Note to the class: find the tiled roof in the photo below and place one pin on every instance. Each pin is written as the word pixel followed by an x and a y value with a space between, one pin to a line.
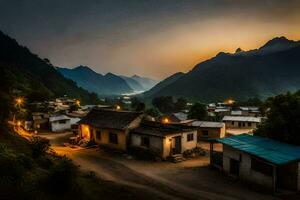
pixel 103 118
pixel 208 124
pixel 161 129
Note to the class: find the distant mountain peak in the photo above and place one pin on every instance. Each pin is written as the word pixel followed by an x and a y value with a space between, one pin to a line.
pixel 278 41
pixel 135 76
pixel 238 50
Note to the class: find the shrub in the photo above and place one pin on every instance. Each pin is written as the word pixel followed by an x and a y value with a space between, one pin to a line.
pixel 39 146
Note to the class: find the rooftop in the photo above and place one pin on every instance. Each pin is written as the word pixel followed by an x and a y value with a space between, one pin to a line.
pixel 208 124
pixel 161 129
pixel 272 151
pixel 242 119
pixel 104 118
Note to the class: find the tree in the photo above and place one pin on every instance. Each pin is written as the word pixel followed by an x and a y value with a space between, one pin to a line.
pixel 164 104
pixel 153 112
pixel 198 111
pixel 180 104
pixel 283 119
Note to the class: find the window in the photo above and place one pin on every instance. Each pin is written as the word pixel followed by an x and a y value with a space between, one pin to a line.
pixel 62 121
pixel 232 123
pixel 98 135
pixel 113 138
pixel 240 124
pixel 249 124
pixel 244 124
pixel 204 132
pixel 260 166
pixel 190 137
pixel 145 141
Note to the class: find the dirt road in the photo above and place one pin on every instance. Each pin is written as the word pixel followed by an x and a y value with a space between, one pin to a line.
pixel 187 180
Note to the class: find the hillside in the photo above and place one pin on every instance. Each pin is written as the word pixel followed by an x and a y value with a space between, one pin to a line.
pixel 272 69
pixel 163 84
pixel 135 85
pixel 29 73
pixel 95 82
pixel 147 83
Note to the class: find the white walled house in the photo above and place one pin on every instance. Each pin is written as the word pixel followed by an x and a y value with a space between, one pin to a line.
pixel 164 139
pixel 261 161
pixel 60 123
pixel 236 125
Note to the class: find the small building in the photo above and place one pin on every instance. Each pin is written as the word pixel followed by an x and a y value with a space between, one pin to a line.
pixel 109 127
pixel 259 160
pixel 40 121
pixel 250 111
pixel 208 129
pixel 176 118
pixel 246 122
pixel 60 123
pixel 164 138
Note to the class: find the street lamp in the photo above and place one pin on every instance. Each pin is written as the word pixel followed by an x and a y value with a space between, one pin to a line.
pixel 118 107
pixel 19 101
pixel 77 102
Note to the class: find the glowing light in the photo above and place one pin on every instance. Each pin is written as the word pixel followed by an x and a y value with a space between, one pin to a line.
pixel 77 102
pixel 118 107
pixel 229 101
pixel 19 101
pixel 165 120
pixel 18 123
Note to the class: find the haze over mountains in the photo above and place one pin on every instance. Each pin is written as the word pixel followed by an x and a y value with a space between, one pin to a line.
pixel 269 70
pixel 108 84
pixel 272 69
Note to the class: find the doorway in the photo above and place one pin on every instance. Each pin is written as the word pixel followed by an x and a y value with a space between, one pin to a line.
pixel 177 145
pixel 234 167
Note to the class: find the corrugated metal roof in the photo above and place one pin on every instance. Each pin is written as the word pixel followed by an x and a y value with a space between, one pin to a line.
pixel 242 119
pixel 270 150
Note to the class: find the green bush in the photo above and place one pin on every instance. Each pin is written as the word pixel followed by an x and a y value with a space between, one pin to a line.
pixel 39 146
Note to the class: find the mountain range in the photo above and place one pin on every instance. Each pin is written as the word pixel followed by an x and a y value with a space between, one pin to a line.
pixel 29 75
pixel 269 70
pixel 108 84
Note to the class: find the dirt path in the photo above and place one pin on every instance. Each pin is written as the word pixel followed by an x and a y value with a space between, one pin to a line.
pixel 167 180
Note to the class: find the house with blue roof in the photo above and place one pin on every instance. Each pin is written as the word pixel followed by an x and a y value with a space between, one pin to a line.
pixel 258 160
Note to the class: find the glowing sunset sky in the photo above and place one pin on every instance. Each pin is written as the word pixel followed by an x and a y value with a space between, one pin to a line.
pixel 151 37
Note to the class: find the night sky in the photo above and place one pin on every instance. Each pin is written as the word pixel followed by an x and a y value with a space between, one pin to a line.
pixel 146 37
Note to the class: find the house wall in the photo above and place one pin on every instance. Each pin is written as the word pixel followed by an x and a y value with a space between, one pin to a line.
pixel 57 127
pixel 212 133
pixel 105 138
pixel 236 124
pixel 156 143
pixel 185 145
pixel 245 171
pixel 298 180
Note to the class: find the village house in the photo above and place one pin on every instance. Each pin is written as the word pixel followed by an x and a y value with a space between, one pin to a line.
pixel 240 124
pixel 179 117
pixel 40 121
pixel 59 123
pixel 250 111
pixel 109 127
pixel 208 129
pixel 163 138
pixel 258 160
